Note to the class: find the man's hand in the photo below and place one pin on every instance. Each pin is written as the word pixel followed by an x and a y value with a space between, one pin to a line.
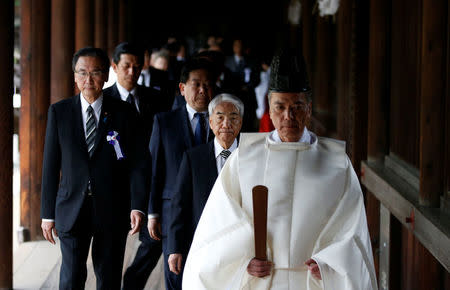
pixel 47 229
pixel 154 228
pixel 136 221
pixel 314 268
pixel 259 268
pixel 175 261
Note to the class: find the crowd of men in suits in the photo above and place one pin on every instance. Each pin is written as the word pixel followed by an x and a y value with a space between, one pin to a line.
pixel 120 157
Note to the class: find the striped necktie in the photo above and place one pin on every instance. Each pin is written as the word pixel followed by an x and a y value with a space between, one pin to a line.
pixel 225 153
pixel 90 130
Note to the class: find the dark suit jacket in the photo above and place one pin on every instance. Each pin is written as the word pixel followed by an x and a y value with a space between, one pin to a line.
pixel 171 136
pixel 117 185
pixel 151 101
pixel 196 177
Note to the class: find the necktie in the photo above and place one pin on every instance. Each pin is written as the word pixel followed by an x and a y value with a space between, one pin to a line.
pixel 225 153
pixel 200 132
pixel 90 130
pixel 130 99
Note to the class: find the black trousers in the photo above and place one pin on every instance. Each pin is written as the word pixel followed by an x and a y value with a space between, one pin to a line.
pixel 108 249
pixel 144 262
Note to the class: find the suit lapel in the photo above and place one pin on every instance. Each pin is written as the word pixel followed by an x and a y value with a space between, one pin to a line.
pixel 186 128
pixel 115 92
pixel 211 167
pixel 78 127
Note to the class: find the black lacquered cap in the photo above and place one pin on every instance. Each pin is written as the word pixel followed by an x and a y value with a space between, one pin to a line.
pixel 288 72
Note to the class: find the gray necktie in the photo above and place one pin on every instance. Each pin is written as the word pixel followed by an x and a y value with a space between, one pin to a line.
pixel 130 99
pixel 225 153
pixel 90 130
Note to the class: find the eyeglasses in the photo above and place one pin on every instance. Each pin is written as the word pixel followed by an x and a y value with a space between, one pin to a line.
pixel 94 74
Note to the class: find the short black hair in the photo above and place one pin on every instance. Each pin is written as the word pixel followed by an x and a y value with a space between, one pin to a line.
pixel 128 48
pixel 196 64
pixel 93 52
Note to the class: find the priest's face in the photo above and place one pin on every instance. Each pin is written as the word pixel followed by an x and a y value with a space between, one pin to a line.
pixel 225 122
pixel 197 90
pixel 290 113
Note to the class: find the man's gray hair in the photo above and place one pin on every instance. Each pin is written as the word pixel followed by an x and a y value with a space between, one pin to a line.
pixel 226 98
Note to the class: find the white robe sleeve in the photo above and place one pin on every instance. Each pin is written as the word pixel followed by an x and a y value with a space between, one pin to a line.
pixel 223 242
pixel 343 251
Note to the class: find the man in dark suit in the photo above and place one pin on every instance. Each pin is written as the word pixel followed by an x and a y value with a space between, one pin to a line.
pixel 92 177
pixel 197 175
pixel 244 78
pixel 156 78
pixel 127 64
pixel 173 133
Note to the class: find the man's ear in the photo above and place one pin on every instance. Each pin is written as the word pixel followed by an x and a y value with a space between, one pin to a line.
pixel 181 87
pixel 114 66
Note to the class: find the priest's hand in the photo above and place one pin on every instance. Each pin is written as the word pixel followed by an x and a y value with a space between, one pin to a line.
pixel 136 221
pixel 175 261
pixel 314 268
pixel 48 229
pixel 259 268
pixel 154 228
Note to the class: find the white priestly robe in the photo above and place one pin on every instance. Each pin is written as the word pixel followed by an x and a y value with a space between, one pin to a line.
pixel 315 210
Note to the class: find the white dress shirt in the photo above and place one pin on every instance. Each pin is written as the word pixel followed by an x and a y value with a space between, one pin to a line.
pixel 144 78
pixel 220 161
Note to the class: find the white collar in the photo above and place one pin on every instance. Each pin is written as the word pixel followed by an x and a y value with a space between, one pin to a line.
pixel 96 105
pixel 124 93
pixel 191 112
pixel 218 148
pixel 306 137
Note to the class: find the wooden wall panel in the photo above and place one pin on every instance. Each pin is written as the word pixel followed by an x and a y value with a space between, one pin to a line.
pixel 405 80
pixel 378 80
pixel 432 101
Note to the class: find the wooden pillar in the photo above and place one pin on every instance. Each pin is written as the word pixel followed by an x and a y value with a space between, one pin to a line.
pixel 112 27
pixel 62 49
pixel 432 101
pixel 6 131
pixel 100 23
pixel 35 91
pixel 84 23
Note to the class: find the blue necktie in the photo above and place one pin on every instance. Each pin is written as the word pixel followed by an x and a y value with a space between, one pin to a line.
pixel 199 133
